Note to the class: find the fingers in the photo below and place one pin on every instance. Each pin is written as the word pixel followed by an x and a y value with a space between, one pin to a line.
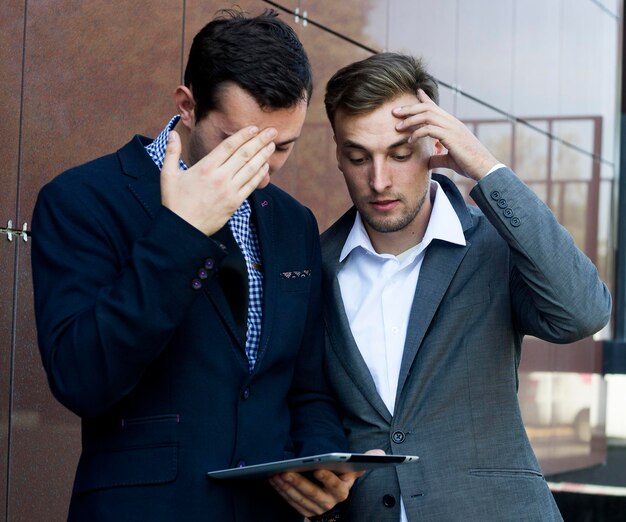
pixel 309 498
pixel 239 149
pixel 250 173
pixel 423 119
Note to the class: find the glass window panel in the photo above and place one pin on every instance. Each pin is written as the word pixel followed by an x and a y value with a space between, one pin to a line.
pixel 575 207
pixel 606 246
pixel 536 71
pixel 531 149
pixel 485 48
pixel 416 28
pixel 567 162
pixel 580 58
pixel 497 137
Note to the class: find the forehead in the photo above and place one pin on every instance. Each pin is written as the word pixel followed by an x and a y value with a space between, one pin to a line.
pixel 238 109
pixel 376 127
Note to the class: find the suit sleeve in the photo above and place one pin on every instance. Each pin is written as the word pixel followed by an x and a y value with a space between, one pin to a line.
pixel 556 292
pixel 104 315
pixel 315 424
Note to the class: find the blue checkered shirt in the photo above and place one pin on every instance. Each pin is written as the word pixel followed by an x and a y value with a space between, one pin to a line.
pixel 246 236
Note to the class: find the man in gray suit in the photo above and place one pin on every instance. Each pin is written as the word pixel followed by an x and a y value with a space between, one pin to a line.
pixel 428 300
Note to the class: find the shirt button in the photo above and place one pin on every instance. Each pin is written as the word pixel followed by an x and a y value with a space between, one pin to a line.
pixel 502 203
pixel 245 394
pixel 495 195
pixel 398 437
pixel 395 330
pixel 389 501
pixel 196 284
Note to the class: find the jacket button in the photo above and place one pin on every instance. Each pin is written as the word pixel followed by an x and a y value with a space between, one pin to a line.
pixel 508 212
pixel 389 501
pixel 515 221
pixel 495 195
pixel 245 394
pixel 398 437
pixel 203 273
pixel 241 464
pixel 209 263
pixel 502 203
pixel 196 284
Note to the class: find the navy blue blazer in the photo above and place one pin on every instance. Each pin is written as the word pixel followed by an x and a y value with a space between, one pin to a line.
pixel 156 368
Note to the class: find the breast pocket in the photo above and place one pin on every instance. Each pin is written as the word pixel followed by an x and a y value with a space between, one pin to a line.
pixel 296 281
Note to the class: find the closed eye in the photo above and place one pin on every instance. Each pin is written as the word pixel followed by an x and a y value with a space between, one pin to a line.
pixel 357 161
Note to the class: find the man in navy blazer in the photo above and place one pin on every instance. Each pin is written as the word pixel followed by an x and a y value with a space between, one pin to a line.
pixel 177 297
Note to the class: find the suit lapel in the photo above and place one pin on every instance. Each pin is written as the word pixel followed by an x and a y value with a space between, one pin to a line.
pixel 263 215
pixel 438 268
pixel 337 325
pixel 440 263
pixel 145 185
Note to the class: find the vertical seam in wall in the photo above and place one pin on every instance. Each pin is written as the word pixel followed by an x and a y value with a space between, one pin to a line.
pixel 182 43
pixel 455 98
pixel 15 270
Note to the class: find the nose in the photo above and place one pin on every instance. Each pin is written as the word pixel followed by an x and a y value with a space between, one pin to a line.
pixel 380 176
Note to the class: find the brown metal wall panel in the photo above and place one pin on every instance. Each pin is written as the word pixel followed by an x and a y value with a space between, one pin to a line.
pixel 92 80
pixel 11 44
pixel 311 174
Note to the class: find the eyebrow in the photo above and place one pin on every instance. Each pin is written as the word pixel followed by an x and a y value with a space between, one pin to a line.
pixel 353 145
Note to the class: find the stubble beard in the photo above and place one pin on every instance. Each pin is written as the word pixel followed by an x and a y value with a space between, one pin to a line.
pixel 385 225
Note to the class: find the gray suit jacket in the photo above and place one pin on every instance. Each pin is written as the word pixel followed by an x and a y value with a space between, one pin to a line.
pixel 520 273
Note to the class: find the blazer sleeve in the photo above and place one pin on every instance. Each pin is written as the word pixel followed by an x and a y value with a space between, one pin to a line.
pixel 555 289
pixel 104 314
pixel 315 424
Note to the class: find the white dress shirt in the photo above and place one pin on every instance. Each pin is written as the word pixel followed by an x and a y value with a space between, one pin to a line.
pixel 378 291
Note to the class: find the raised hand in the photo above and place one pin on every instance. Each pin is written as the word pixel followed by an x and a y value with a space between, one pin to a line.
pixel 208 193
pixel 466 154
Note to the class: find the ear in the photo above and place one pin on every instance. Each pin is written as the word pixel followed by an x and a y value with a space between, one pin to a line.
pixel 185 105
pixel 438 148
pixel 337 153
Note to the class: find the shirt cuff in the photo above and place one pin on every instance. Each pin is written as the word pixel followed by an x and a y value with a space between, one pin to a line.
pixel 494 168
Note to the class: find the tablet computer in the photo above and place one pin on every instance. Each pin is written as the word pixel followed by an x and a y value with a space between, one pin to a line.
pixel 339 462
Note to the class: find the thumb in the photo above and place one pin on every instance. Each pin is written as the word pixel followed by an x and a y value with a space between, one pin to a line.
pixel 172 153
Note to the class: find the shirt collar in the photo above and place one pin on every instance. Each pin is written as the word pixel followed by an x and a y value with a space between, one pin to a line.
pixel 156 149
pixel 444 224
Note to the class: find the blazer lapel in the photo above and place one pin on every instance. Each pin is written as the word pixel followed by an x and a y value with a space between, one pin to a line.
pixel 337 325
pixel 145 185
pixel 439 266
pixel 440 263
pixel 263 215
